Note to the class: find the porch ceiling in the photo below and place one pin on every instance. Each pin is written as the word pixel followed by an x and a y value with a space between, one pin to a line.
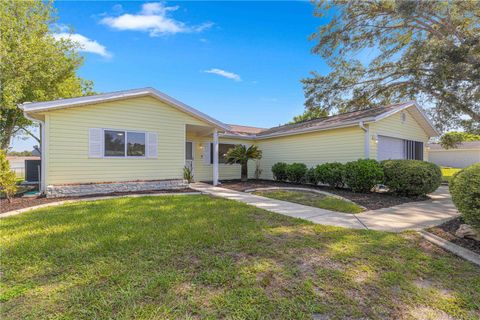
pixel 199 131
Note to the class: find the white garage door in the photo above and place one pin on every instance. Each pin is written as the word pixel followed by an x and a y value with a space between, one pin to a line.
pixel 390 148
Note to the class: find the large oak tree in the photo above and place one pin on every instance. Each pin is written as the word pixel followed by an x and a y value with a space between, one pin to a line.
pixel 33 65
pixel 424 50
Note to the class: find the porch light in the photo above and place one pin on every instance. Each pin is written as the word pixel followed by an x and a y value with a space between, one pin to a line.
pixel 375 138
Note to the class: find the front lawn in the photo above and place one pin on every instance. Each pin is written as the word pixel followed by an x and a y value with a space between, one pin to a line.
pixel 447 173
pixel 312 199
pixel 203 257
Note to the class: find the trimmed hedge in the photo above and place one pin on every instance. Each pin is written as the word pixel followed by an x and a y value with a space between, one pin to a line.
pixel 311 177
pixel 411 178
pixel 296 172
pixel 279 171
pixel 465 190
pixel 362 175
pixel 331 173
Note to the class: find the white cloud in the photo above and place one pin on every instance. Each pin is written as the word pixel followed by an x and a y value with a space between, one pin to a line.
pixel 85 44
pixel 153 18
pixel 225 74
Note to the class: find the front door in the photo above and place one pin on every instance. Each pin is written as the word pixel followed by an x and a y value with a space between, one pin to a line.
pixel 189 153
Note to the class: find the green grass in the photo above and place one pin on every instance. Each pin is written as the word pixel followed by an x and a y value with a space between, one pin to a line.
pixel 447 173
pixel 312 199
pixel 202 257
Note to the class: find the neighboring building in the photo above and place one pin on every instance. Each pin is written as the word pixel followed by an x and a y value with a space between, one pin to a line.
pixel 17 164
pixel 467 153
pixel 140 139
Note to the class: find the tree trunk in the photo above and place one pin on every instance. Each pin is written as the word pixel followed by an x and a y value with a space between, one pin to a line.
pixel 5 140
pixel 244 172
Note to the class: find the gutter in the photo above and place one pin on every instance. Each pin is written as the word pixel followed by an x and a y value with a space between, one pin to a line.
pixel 42 149
pixel 362 126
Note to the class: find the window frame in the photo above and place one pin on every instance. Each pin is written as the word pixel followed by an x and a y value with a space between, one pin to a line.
pixel 211 153
pixel 125 155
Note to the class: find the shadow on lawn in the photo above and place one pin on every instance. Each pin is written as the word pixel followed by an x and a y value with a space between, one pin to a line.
pixel 199 256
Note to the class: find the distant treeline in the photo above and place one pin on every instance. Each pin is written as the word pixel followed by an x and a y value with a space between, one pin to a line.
pixel 20 154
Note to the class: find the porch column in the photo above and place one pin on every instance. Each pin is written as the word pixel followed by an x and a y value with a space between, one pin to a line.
pixel 215 157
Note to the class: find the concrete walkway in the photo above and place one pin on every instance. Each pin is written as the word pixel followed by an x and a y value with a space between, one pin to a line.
pixel 412 215
pixel 409 216
pixel 290 209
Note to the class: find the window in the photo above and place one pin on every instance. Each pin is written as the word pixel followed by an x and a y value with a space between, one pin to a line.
pixel 135 144
pixel 115 146
pixel 188 150
pixel 114 143
pixel 222 152
pixel 413 149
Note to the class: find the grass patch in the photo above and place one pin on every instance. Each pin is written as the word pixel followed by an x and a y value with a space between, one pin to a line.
pixel 202 257
pixel 447 173
pixel 312 199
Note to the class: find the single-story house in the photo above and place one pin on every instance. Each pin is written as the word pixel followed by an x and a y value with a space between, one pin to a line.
pixel 464 155
pixel 142 139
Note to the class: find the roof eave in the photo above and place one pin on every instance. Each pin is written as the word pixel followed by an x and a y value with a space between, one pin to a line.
pixel 432 132
pixel 125 95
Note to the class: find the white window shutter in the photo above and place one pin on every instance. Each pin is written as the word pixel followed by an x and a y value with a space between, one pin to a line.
pixel 152 145
pixel 206 153
pixel 95 143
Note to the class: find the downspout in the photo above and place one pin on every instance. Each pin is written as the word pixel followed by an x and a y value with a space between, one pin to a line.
pixel 366 129
pixel 42 150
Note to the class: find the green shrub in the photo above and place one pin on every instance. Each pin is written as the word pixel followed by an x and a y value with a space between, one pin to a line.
pixel 465 190
pixel 411 178
pixel 8 179
pixel 296 172
pixel 311 176
pixel 187 174
pixel 362 175
pixel 331 173
pixel 279 171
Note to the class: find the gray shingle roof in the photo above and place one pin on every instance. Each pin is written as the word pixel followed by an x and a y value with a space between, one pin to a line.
pixel 333 121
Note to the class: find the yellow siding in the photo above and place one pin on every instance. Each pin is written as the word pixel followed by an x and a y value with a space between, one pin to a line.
pixel 393 126
pixel 67 141
pixel 204 172
pixel 342 145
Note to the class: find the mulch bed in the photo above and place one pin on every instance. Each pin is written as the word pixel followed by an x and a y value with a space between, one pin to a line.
pixel 371 201
pixel 23 202
pixel 447 232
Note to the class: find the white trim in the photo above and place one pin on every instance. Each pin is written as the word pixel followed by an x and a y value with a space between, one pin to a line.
pixel 215 157
pixel 43 154
pixel 125 156
pixel 433 132
pixel 307 130
pixel 366 129
pixel 120 95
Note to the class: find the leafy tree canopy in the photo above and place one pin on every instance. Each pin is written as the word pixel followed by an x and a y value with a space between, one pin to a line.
pixel 33 66
pixel 452 139
pixel 416 49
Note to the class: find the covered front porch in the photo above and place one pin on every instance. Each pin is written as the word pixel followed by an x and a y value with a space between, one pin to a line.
pixel 201 152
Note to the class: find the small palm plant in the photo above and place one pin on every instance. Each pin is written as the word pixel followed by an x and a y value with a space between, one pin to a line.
pixel 241 154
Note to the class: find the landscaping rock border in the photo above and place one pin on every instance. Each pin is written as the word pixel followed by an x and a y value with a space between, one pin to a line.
pixel 453 248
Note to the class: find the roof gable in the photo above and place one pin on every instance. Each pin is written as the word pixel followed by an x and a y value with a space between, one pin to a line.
pixel 120 95
pixel 352 119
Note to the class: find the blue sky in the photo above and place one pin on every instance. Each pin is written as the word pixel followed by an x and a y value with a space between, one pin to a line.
pixel 240 62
